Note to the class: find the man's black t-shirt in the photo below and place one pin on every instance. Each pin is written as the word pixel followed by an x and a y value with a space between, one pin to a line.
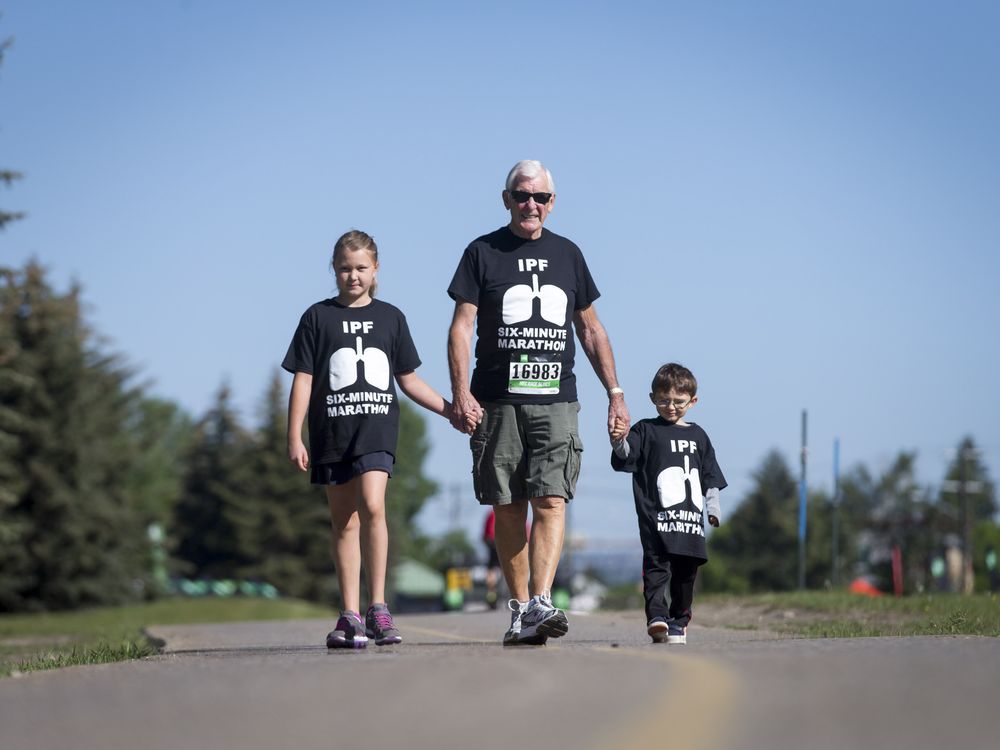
pixel 352 354
pixel 526 292
pixel 672 466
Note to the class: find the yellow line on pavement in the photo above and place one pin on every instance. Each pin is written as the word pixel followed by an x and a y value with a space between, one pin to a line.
pixel 438 634
pixel 693 709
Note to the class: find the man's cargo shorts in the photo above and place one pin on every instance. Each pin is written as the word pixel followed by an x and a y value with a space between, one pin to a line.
pixel 521 451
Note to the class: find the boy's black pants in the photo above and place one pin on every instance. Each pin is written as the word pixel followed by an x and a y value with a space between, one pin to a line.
pixel 674 574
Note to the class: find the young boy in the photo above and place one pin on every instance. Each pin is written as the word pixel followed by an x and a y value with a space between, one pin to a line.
pixel 673 468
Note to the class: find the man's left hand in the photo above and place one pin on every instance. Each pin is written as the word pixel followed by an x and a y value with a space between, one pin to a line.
pixel 617 410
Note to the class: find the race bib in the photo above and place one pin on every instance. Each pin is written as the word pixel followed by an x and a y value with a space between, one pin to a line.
pixel 534 374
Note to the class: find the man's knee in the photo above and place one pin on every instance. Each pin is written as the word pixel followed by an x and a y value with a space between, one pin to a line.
pixel 551 506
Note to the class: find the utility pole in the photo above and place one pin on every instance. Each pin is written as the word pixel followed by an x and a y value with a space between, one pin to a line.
pixel 964 502
pixel 455 512
pixel 966 489
pixel 835 515
pixel 802 509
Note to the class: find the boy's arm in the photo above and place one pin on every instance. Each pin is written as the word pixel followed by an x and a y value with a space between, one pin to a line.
pixel 620 447
pixel 712 505
pixel 298 405
pixel 625 451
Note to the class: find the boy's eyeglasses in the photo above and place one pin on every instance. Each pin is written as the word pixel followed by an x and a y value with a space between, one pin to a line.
pixel 675 404
pixel 522 196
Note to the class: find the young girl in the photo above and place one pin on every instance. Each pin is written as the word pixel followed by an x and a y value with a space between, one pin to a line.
pixel 345 355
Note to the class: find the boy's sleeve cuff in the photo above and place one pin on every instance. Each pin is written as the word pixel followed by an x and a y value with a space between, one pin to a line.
pixel 712 506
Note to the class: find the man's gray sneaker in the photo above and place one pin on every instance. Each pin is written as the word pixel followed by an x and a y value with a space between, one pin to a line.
pixel 516 608
pixel 541 621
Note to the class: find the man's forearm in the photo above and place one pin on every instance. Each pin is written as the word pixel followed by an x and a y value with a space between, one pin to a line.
pixel 459 349
pixel 596 345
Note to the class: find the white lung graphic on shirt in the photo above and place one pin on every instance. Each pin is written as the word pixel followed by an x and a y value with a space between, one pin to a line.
pixel 518 300
pixel 344 367
pixel 670 485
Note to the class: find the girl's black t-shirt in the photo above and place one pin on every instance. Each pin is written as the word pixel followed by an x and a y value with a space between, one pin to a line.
pixel 353 354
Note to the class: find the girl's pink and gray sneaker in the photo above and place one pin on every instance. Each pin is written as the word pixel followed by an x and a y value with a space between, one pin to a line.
pixel 380 627
pixel 349 632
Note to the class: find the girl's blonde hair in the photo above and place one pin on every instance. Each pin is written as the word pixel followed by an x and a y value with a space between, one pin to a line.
pixel 351 241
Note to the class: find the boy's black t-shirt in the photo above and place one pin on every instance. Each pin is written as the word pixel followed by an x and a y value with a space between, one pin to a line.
pixel 352 354
pixel 526 292
pixel 672 466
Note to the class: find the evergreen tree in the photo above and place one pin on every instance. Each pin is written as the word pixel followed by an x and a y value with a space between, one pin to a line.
pixel 69 532
pixel 451 549
pixel 758 544
pixel 160 432
pixel 819 540
pixel 979 491
pixel 887 511
pixel 8 176
pixel 213 529
pixel 409 488
pixel 855 514
pixel 967 504
pixel 292 524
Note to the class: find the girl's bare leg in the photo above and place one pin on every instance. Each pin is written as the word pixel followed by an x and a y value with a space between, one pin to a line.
pixel 374 532
pixel 343 501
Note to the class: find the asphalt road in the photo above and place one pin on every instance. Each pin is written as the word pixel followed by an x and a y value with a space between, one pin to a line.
pixel 452 685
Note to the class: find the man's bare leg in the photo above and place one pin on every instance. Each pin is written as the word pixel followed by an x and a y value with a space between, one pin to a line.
pixel 548 529
pixel 512 547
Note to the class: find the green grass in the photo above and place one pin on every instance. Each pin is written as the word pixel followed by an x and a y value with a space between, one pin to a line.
pixel 843 615
pixel 109 634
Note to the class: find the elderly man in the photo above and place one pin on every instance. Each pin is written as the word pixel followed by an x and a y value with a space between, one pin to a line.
pixel 520 287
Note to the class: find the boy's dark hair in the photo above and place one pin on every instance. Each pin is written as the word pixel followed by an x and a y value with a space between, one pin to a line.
pixel 676 377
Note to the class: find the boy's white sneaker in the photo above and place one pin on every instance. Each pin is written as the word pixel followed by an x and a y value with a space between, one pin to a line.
pixel 676 634
pixel 657 629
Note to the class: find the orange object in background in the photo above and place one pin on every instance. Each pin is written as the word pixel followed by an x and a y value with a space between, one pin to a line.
pixel 863 587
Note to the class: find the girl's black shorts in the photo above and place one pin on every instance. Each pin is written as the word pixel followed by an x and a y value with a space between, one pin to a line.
pixel 342 472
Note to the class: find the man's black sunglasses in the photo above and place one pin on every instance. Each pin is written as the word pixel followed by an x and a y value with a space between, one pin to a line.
pixel 521 196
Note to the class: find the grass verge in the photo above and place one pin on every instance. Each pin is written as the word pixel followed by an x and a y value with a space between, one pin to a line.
pixel 832 614
pixel 109 634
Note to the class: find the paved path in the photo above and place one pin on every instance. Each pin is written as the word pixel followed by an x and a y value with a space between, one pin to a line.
pixel 451 685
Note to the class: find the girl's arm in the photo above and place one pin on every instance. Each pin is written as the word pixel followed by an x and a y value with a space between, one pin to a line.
pixel 415 387
pixel 298 405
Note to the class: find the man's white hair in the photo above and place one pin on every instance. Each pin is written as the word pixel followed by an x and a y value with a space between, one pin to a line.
pixel 529 168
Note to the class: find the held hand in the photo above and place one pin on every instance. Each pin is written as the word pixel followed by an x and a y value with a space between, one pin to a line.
pixel 713 521
pixel 298 455
pixel 466 413
pixel 619 431
pixel 617 410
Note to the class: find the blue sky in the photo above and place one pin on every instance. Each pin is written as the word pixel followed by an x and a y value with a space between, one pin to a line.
pixel 797 200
